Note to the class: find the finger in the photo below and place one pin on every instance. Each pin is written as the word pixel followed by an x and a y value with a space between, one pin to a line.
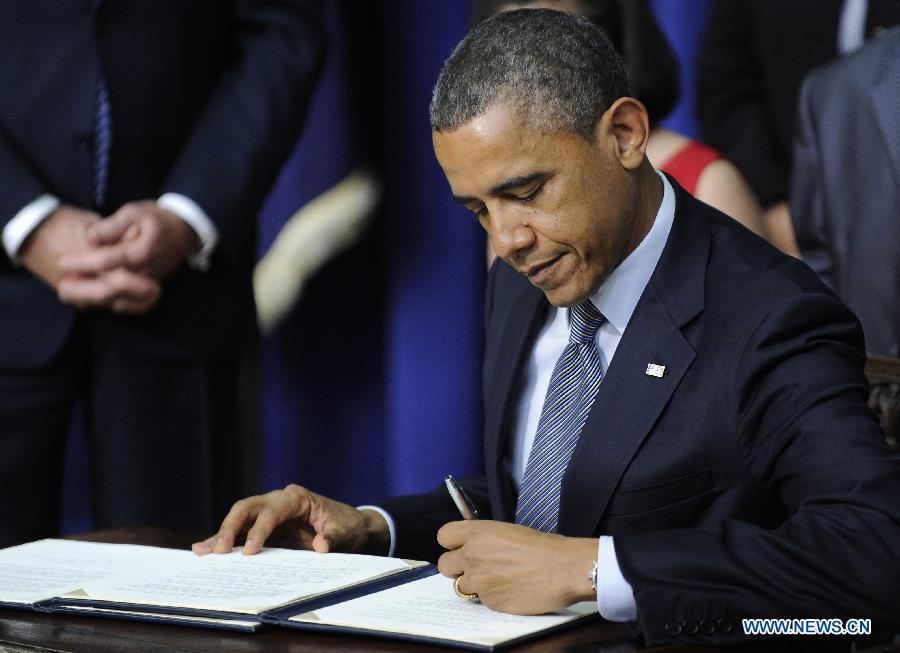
pixel 134 253
pixel 322 542
pixel 132 232
pixel 462 585
pixel 139 250
pixel 241 514
pixel 114 228
pixel 83 292
pixel 130 287
pixel 281 506
pixel 93 262
pixel 455 534
pixel 451 564
pixel 267 520
pixel 107 287
pixel 203 547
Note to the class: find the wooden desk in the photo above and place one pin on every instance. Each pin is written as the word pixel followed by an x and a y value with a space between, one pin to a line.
pixel 22 631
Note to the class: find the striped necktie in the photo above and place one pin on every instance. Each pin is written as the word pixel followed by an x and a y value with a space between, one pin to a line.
pixel 102 141
pixel 573 386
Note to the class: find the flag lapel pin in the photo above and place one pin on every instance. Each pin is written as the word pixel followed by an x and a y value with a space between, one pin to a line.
pixel 655 370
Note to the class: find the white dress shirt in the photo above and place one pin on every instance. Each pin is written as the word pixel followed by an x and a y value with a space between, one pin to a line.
pixel 852 26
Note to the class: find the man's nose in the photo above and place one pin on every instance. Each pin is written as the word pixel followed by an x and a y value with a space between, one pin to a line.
pixel 510 231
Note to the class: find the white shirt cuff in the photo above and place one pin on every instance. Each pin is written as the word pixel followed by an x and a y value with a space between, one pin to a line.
pixel 189 211
pixel 615 598
pixel 390 523
pixel 25 221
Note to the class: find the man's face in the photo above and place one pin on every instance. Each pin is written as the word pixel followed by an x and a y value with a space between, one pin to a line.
pixel 558 208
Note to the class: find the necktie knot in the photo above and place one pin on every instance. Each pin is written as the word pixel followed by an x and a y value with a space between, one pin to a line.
pixel 586 319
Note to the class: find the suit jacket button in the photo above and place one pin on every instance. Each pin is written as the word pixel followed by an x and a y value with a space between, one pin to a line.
pixel 690 626
pixel 707 626
pixel 724 626
pixel 673 628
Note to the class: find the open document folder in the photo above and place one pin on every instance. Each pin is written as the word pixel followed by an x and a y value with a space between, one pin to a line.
pixel 277 587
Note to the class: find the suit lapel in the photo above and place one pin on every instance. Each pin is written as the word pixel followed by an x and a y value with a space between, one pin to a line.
pixel 521 323
pixel 627 406
pixel 630 401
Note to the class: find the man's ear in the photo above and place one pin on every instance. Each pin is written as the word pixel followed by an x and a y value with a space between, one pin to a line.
pixel 627 122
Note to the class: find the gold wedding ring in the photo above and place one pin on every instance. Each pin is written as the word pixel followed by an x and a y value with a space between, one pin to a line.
pixel 463 595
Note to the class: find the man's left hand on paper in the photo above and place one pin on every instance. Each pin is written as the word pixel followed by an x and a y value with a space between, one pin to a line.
pixel 517 569
pixel 299 518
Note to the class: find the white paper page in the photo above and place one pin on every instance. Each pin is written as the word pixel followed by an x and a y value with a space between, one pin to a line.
pixel 429 607
pixel 247 584
pixel 46 568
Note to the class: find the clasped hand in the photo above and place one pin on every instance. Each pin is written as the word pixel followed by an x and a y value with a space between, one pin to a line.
pixel 115 264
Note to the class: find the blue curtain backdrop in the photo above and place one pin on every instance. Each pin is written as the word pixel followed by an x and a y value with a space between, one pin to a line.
pixel 372 385
pixel 320 400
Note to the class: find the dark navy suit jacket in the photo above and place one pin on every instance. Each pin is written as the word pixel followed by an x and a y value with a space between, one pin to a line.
pixel 207 99
pixel 750 480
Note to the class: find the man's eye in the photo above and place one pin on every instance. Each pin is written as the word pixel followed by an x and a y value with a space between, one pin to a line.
pixel 530 196
pixel 480 212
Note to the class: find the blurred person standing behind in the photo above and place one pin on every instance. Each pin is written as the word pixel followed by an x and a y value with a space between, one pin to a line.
pixel 654 80
pixel 845 191
pixel 752 59
pixel 137 143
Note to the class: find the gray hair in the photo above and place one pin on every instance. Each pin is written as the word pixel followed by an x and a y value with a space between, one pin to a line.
pixel 559 71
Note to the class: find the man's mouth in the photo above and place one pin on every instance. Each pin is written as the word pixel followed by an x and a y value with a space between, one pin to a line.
pixel 540 272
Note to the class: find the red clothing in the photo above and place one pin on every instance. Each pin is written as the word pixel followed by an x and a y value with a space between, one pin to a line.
pixel 689 162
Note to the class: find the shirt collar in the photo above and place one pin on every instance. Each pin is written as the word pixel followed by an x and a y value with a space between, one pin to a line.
pixel 620 293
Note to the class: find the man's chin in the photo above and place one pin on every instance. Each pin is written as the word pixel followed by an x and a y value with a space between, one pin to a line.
pixel 564 296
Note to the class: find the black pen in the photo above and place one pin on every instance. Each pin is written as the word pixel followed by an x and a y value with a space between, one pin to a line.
pixel 461 499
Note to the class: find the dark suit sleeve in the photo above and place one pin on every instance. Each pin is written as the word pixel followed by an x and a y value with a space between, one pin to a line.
pixel 730 103
pixel 418 517
pixel 807 192
pixel 19 185
pixel 807 436
pixel 254 115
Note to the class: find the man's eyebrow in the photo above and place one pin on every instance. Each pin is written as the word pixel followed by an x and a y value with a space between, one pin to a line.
pixel 509 184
